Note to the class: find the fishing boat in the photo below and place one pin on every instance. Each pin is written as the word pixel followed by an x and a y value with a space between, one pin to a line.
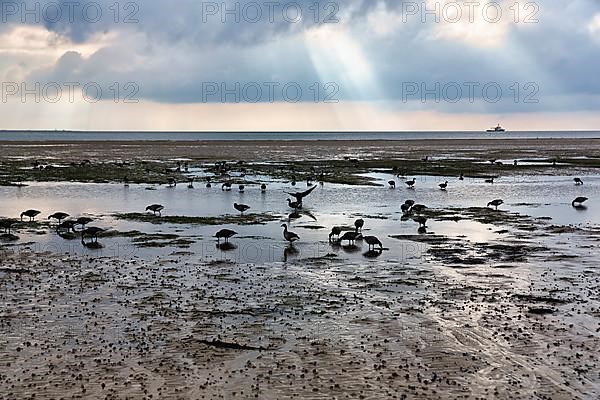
pixel 496 129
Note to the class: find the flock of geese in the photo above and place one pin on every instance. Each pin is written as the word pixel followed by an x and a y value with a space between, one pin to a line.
pixel 410 210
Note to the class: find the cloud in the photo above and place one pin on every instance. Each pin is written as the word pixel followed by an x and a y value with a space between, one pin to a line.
pixel 375 49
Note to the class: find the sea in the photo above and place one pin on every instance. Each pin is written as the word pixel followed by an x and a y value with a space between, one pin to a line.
pixel 69 136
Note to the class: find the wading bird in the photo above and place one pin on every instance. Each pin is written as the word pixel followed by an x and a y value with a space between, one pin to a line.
pixel 155 208
pixel 226 186
pixel 461 177
pixel 418 208
pixel 31 214
pixel 421 220
pixel 296 205
pixel 392 184
pixel 7 224
pixel 335 231
pixel 242 188
pixel 411 184
pixel 83 221
pixel 372 241
pixel 171 182
pixel 496 203
pixel 350 237
pixel 405 208
pixel 263 188
pixel 288 235
pixel 578 181
pixel 66 225
pixel 59 216
pixel 241 207
pixel 358 224
pixel 301 195
pixel 191 183
pixel 225 234
pixel 578 202
pixel 92 232
pixel 443 186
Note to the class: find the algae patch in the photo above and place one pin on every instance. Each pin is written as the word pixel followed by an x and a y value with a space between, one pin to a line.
pixel 246 219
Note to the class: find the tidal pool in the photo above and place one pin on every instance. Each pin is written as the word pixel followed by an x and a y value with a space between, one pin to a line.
pixel 546 197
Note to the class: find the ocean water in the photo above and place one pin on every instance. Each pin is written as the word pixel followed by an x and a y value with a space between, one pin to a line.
pixel 237 136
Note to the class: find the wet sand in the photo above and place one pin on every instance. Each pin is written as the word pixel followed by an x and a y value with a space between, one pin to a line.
pixel 517 317
pixel 293 150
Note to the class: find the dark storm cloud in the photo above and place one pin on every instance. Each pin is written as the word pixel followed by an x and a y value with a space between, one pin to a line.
pixel 173 49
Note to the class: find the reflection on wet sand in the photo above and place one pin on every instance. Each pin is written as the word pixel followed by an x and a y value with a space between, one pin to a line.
pixel 414 293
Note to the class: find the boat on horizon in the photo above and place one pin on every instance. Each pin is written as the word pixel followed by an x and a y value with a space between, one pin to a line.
pixel 496 129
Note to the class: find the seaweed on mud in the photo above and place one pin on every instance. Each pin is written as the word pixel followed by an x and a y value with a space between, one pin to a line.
pixel 9 270
pixel 322 260
pixel 157 240
pixel 541 310
pixel 8 237
pixel 228 345
pixel 181 243
pixel 429 239
pixel 311 227
pixel 456 255
pixel 91 172
pixel 246 219
pixel 510 253
pixel 540 299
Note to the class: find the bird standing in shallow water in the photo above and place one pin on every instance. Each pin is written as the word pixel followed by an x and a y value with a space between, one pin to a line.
pixel 67 225
pixel 241 207
pixel 350 237
pixel 59 216
pixel 411 184
pixel 392 184
pixel 372 241
pixel 225 234
pixel 444 185
pixel 83 221
pixel 421 220
pixel 418 208
pixel 578 181
pixel 496 203
pixel 578 202
pixel 7 224
pixel 288 235
pixel 294 204
pixel 263 188
pixel 92 232
pixel 335 231
pixel 31 214
pixel 155 208
pixel 358 224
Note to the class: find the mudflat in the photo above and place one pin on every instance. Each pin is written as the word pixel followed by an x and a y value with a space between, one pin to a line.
pixel 460 301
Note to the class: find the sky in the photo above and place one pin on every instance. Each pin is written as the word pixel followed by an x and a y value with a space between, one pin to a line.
pixel 299 65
